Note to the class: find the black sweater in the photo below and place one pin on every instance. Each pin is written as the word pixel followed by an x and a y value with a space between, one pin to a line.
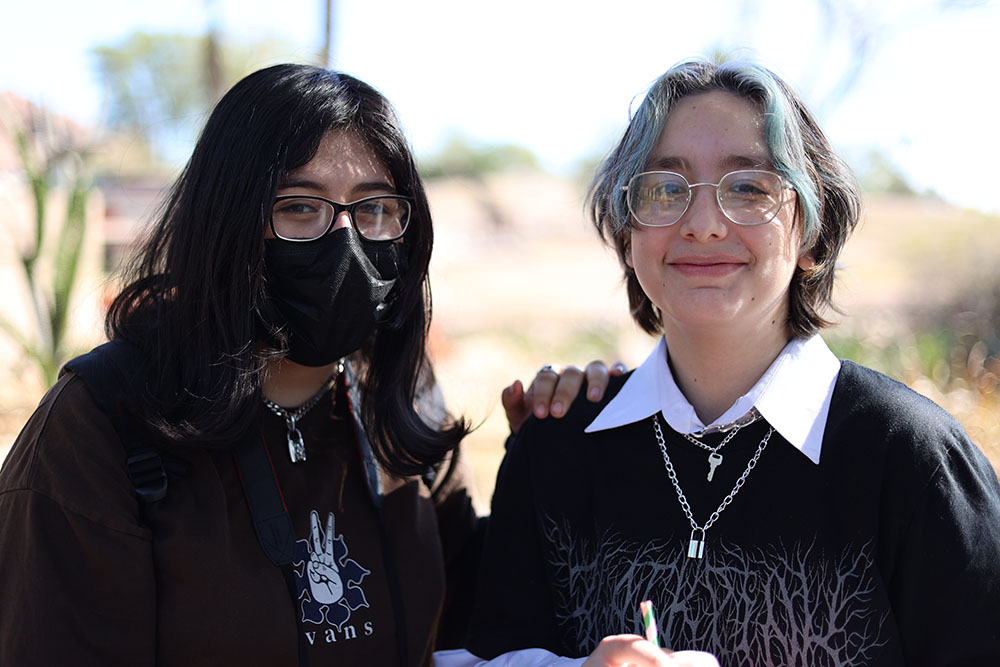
pixel 885 553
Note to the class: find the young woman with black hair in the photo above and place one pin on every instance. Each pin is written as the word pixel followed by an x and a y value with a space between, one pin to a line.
pixel 302 500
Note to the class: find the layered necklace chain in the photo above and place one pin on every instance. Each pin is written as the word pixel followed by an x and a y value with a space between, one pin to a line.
pixel 296 445
pixel 714 457
pixel 696 543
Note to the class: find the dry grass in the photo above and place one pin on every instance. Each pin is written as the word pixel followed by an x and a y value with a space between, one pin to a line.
pixel 921 292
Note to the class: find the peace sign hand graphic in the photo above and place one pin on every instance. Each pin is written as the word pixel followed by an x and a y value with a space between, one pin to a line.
pixel 324 573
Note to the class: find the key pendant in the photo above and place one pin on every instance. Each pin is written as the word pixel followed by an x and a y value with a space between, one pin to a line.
pixel 714 461
pixel 696 545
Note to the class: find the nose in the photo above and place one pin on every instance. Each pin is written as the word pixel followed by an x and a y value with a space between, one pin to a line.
pixel 704 220
pixel 342 219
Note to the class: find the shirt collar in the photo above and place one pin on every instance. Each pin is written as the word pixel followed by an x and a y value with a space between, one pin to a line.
pixel 793 395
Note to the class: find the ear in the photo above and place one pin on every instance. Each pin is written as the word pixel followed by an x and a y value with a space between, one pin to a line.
pixel 627 242
pixel 807 260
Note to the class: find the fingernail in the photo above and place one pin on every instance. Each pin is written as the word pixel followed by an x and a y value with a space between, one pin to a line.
pixel 557 408
pixel 539 411
pixel 593 393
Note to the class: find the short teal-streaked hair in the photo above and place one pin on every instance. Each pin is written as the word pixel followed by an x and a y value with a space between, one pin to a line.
pixel 829 204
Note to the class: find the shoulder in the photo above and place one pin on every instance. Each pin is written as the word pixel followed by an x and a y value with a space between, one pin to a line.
pixel 876 411
pixel 861 393
pixel 69 452
pixel 581 411
pixel 559 437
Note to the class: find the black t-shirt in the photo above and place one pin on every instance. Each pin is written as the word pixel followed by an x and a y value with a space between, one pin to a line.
pixel 885 553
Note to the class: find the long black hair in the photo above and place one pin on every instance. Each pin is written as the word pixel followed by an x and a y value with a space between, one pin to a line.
pixel 190 303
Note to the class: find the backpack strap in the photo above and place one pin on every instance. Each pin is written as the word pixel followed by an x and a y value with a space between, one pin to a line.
pixel 373 473
pixel 112 374
pixel 373 480
pixel 369 464
pixel 271 522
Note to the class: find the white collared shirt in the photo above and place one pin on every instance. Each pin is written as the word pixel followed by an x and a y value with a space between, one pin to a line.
pixel 793 395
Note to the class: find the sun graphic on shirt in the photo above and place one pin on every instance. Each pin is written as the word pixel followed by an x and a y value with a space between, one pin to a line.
pixel 328 583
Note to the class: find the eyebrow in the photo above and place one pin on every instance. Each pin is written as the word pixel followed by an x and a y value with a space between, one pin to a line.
pixel 307 184
pixel 730 162
pixel 667 163
pixel 746 162
pixel 293 182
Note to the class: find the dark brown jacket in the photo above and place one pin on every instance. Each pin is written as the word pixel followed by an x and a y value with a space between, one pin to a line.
pixel 90 577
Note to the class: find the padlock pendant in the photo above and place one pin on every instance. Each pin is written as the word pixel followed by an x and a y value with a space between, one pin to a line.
pixel 696 545
pixel 296 446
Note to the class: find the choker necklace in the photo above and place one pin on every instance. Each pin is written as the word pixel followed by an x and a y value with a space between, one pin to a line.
pixel 696 543
pixel 714 457
pixel 296 445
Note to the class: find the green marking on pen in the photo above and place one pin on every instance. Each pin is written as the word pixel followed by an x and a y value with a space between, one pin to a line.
pixel 649 622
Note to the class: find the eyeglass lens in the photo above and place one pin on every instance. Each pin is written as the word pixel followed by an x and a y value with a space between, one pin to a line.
pixel 747 197
pixel 308 218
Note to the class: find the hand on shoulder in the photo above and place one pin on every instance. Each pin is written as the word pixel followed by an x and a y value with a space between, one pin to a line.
pixel 553 390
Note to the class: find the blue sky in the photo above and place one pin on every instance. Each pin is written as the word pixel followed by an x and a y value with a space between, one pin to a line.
pixel 558 77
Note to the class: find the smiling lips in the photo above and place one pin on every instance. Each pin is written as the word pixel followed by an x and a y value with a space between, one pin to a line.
pixel 706 266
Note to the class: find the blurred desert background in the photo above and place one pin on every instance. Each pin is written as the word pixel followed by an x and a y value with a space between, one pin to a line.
pixel 508 118
pixel 520 279
pixel 919 304
pixel 918 286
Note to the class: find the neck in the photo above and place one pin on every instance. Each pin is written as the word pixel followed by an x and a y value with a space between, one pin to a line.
pixel 289 384
pixel 714 368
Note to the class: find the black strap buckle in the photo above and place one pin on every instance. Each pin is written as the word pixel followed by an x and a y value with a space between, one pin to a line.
pixel 145 469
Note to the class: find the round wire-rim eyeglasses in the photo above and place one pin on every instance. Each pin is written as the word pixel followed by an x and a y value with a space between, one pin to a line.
pixel 754 200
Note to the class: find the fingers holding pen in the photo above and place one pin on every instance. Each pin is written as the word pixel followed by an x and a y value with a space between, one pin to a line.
pixel 621 650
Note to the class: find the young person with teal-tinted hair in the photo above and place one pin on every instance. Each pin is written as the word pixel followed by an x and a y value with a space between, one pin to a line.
pixel 779 506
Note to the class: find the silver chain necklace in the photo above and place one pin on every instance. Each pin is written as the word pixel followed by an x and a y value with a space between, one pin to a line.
pixel 714 457
pixel 296 445
pixel 696 543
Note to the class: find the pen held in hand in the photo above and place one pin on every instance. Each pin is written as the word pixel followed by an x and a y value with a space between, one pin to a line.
pixel 649 622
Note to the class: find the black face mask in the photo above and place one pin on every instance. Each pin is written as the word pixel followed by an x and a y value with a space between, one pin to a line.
pixel 327 295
